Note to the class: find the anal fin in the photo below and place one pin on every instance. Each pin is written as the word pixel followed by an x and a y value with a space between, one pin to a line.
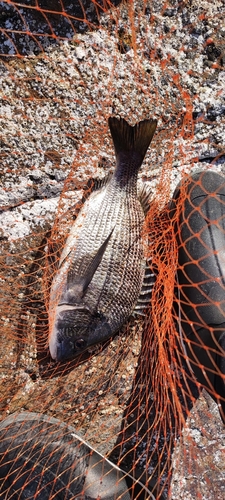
pixel 144 298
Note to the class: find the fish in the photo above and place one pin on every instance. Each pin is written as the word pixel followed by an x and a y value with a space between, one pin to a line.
pixel 42 458
pixel 102 268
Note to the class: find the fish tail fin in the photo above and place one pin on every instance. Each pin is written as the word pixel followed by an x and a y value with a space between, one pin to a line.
pixel 131 140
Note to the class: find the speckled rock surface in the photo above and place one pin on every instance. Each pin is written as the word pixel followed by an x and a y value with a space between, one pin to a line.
pixel 146 60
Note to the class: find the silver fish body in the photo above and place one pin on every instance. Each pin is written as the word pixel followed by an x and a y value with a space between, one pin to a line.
pixel 101 269
pixel 44 458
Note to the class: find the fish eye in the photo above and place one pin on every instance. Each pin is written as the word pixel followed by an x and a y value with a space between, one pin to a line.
pixel 80 344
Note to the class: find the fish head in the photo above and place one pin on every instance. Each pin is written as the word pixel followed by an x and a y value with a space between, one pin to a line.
pixel 75 329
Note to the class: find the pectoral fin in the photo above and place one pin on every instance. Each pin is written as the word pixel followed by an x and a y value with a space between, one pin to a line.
pixel 93 266
pixel 79 283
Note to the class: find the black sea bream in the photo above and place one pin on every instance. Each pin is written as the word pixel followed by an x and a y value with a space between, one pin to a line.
pixel 101 269
pixel 43 458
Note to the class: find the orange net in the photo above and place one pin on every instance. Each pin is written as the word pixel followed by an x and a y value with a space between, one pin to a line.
pixel 141 415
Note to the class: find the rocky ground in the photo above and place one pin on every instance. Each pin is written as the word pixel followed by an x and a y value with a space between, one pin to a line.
pixel 141 59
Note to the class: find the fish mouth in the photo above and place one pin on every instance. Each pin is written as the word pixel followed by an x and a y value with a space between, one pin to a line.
pixel 65 306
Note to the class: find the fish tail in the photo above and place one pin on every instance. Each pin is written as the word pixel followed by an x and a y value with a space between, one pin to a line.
pixel 130 140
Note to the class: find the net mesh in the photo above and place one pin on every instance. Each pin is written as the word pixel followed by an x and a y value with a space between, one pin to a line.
pixel 151 400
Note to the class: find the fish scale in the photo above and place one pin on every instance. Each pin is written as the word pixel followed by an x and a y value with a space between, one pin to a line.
pixel 101 269
pixel 108 269
pixel 114 250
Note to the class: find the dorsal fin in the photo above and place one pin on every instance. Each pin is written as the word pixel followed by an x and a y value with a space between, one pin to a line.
pixel 93 184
